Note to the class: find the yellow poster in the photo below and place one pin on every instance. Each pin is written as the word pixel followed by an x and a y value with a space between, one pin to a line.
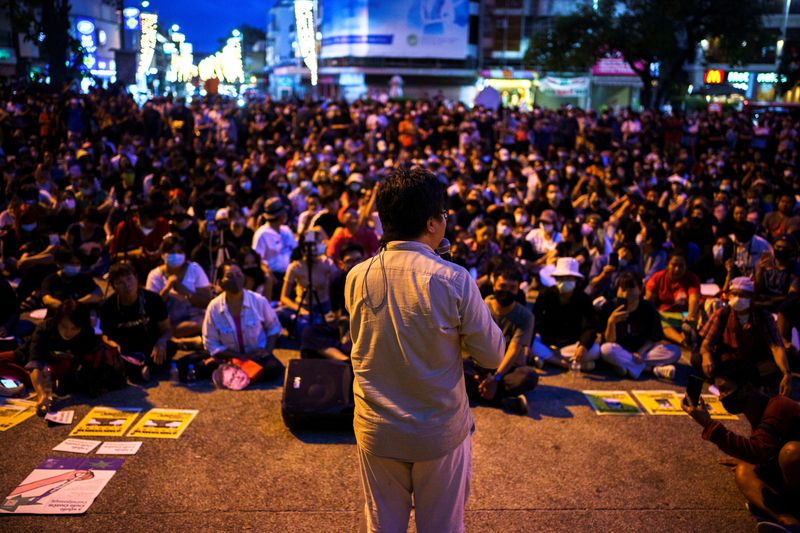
pixel 612 402
pixel 106 422
pixel 660 402
pixel 715 408
pixel 163 423
pixel 13 413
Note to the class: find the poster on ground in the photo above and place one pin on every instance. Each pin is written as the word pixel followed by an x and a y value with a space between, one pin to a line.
pixel 12 415
pixel 61 486
pixel 660 402
pixel 106 422
pixel 612 402
pixel 715 408
pixel 163 423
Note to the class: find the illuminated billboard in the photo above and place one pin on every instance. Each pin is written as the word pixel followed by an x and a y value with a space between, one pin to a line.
pixel 397 28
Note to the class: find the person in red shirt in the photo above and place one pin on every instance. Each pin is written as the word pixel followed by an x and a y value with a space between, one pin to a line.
pixel 676 290
pixel 352 232
pixel 138 240
pixel 768 467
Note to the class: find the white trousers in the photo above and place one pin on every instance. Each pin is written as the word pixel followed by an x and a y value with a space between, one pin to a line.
pixel 660 354
pixel 562 355
pixel 440 488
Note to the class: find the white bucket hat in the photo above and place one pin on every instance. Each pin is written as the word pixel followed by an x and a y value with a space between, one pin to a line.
pixel 567 266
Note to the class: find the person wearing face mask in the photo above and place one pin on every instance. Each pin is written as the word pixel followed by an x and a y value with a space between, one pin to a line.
pixel 507 385
pixel 768 461
pixel 545 238
pixel 554 200
pixel 740 334
pixel 69 283
pixel 183 285
pixel 138 239
pixel 607 269
pixel 748 248
pixel 783 220
pixel 87 241
pixel 241 324
pixel 565 324
pixel 777 280
pixel 634 340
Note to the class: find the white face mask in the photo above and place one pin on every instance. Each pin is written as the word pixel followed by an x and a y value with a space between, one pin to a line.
pixel 548 228
pixel 175 260
pixel 503 231
pixel 147 231
pixel 521 219
pixel 739 304
pixel 565 286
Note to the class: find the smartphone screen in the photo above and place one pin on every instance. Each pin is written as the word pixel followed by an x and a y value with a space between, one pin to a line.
pixel 9 383
pixel 694 388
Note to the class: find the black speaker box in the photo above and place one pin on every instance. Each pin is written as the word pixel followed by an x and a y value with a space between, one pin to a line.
pixel 317 394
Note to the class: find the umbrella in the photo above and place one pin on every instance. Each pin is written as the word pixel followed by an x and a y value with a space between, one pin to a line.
pixel 488 98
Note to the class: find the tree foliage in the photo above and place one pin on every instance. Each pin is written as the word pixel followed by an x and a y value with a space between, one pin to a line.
pixel 648 32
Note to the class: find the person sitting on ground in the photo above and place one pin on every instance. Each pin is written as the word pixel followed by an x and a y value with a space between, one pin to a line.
pixel 138 239
pixel 57 349
pixel 352 231
pixel 565 321
pixel 768 468
pixel 634 341
pixel 606 270
pixel 257 277
pixel 274 242
pixel 508 384
pixel 136 322
pixel 294 294
pixel 68 283
pixel 674 291
pixel 739 334
pixel 184 287
pixel 87 240
pixel 241 324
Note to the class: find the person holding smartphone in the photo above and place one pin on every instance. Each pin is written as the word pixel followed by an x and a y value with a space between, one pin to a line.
pixel 768 461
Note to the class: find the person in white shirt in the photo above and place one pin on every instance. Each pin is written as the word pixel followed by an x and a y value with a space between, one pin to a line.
pixel 183 285
pixel 545 238
pixel 274 242
pixel 242 324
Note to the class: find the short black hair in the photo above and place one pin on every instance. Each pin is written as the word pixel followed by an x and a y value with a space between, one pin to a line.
pixel 406 200
pixel 119 270
pixel 628 280
pixel 508 271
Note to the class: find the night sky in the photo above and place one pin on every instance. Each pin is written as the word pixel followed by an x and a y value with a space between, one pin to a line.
pixel 205 21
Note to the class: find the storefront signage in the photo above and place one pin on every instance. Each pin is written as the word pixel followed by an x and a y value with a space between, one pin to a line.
pixel 508 74
pixel 565 87
pixel 612 66
pixel 740 80
pixel 714 76
pixel 769 77
pixel 86 35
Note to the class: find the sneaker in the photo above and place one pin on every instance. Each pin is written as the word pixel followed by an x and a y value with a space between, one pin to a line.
pixel 665 372
pixel 516 404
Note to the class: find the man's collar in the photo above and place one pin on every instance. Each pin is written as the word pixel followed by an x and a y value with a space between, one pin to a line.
pixel 417 246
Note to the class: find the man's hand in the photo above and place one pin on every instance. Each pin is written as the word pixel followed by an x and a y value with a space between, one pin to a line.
pixel 159 353
pixel 607 271
pixel 786 384
pixel 699 413
pixel 708 366
pixel 619 314
pixel 488 387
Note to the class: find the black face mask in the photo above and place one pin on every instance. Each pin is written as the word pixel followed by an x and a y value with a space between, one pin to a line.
pixel 744 232
pixel 620 301
pixel 733 402
pixel 784 255
pixel 504 298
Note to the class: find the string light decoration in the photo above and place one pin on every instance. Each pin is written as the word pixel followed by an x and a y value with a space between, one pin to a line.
pixel 149 22
pixel 226 65
pixel 306 35
pixel 182 63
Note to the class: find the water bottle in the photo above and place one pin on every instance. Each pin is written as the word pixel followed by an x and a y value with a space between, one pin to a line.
pixel 47 387
pixel 174 375
pixel 191 375
pixel 574 368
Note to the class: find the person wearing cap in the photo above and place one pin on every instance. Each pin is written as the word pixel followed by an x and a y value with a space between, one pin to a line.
pixel 545 238
pixel 274 241
pixel 565 322
pixel 739 335
pixel 412 315
pixel 768 460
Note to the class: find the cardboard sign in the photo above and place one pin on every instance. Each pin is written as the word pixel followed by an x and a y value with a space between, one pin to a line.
pixel 14 413
pixel 612 402
pixel 106 422
pixel 163 423
pixel 715 408
pixel 61 486
pixel 660 402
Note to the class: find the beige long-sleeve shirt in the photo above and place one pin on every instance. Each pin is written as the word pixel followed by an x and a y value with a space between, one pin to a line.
pixel 413 316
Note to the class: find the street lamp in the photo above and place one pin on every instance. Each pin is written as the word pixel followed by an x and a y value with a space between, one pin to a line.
pixel 175 27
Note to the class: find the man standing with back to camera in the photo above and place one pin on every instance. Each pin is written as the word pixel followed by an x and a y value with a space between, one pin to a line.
pixel 412 316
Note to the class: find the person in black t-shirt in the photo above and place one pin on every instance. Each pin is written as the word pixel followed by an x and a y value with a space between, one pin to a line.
pixel 634 338
pixel 69 283
pixel 135 320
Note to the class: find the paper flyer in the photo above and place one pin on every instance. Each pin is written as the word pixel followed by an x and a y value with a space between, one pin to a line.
pixel 119 448
pixel 14 413
pixel 715 408
pixel 612 402
pixel 60 417
pixel 163 423
pixel 105 422
pixel 660 402
pixel 61 486
pixel 77 446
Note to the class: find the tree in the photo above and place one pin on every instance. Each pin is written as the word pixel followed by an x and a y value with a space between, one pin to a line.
pixel 646 33
pixel 46 23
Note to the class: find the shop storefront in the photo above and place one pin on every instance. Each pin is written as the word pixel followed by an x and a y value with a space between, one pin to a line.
pixel 515 86
pixel 614 84
pixel 758 86
pixel 553 92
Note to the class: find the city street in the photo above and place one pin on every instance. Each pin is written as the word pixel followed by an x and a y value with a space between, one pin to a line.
pixel 237 467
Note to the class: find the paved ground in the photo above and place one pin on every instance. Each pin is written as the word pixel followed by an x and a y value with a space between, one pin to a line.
pixel 237 467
